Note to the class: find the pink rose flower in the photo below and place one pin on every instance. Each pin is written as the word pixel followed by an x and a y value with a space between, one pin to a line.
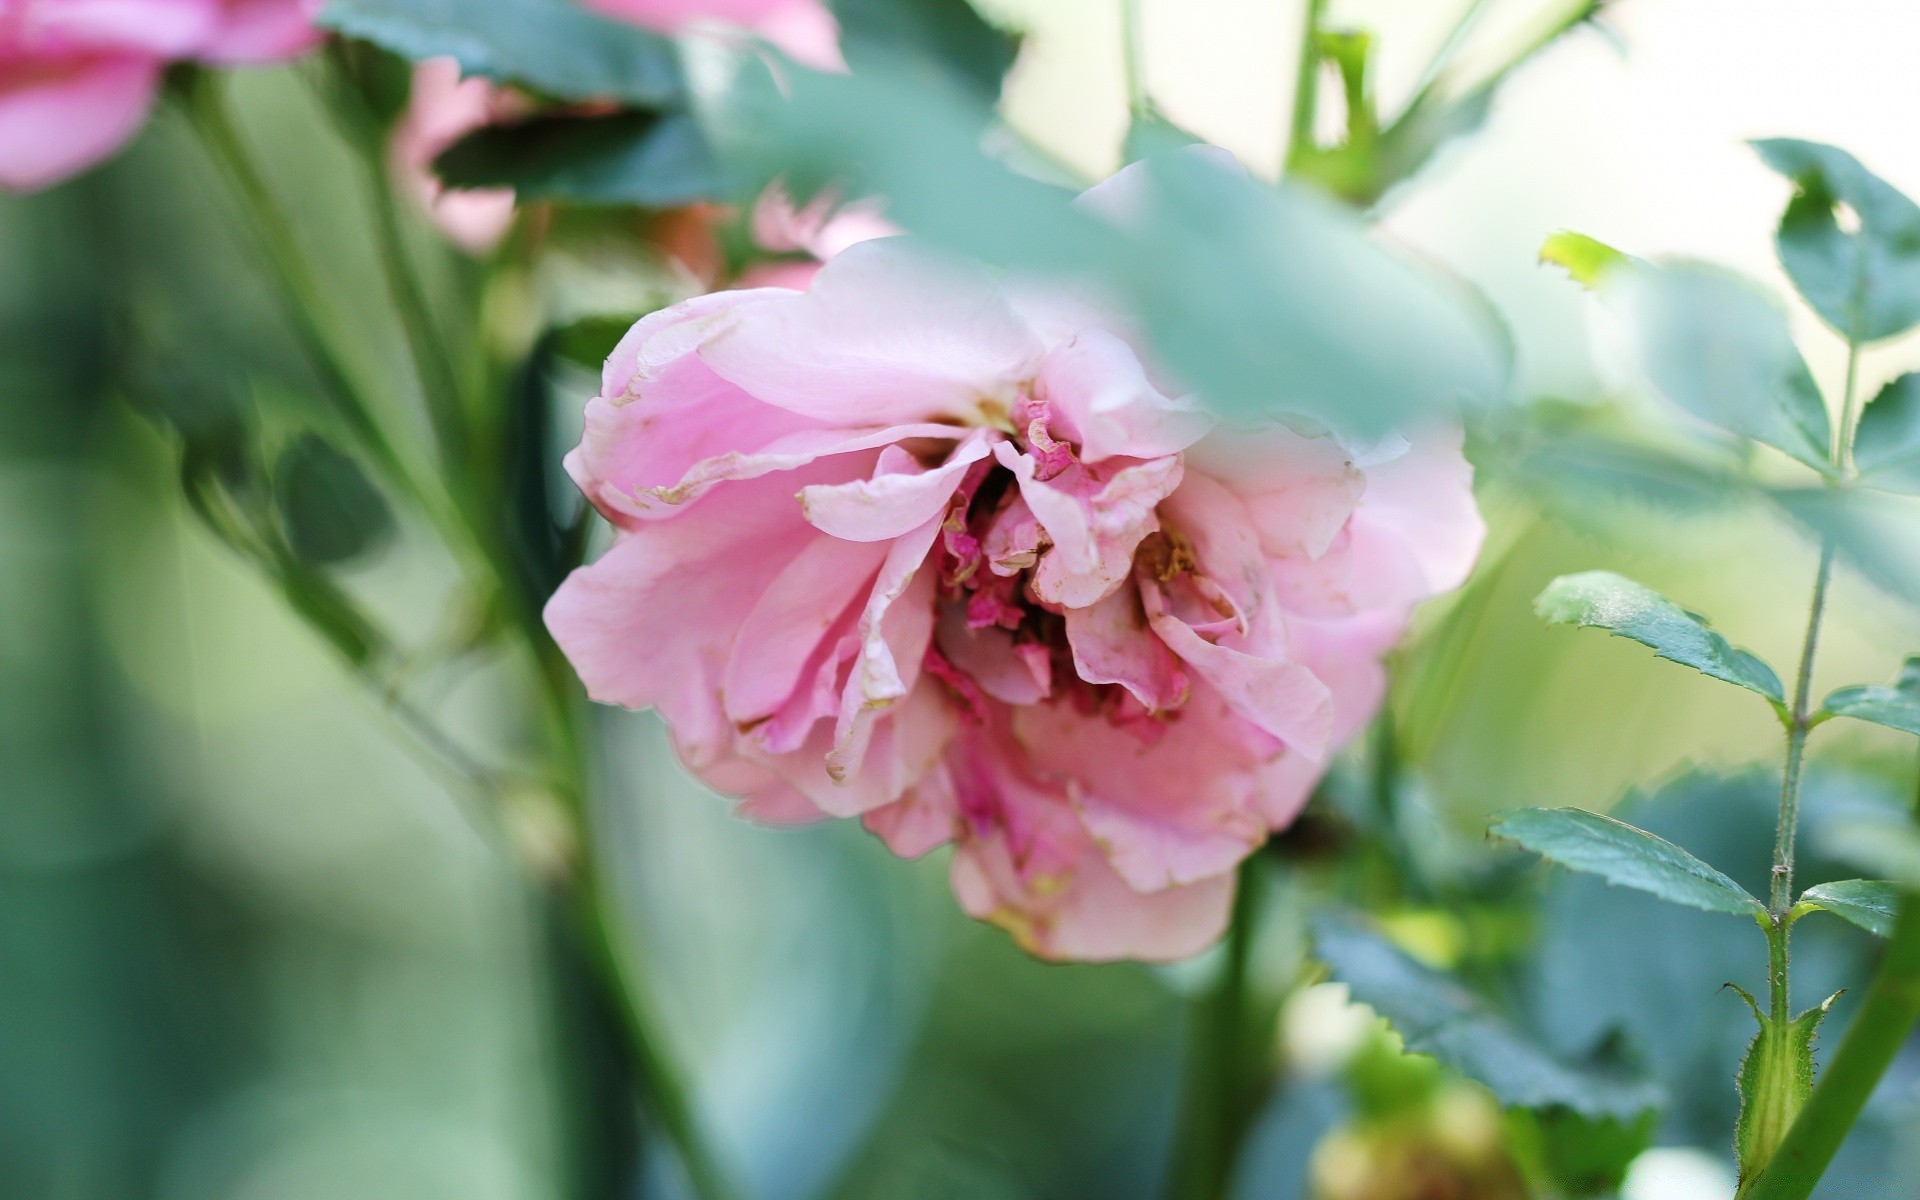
pixel 940 552
pixel 77 77
pixel 804 29
pixel 442 109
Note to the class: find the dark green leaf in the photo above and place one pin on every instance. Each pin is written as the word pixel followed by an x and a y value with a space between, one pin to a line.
pixel 946 35
pixel 1775 1080
pixel 1896 707
pixel 554 46
pixel 655 160
pixel 1713 343
pixel 1886 447
pixel 1438 1016
pixel 1603 600
pixel 1584 258
pixel 1864 283
pixel 1625 856
pixel 1875 534
pixel 328 509
pixel 1868 903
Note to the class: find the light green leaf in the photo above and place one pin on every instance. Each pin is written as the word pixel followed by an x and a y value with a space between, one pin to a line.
pixel 1869 903
pixel 1876 534
pixel 1864 283
pixel 1886 447
pixel 1624 856
pixel 1896 707
pixel 650 159
pixel 1437 1016
pixel 946 35
pixel 555 46
pixel 1583 257
pixel 1776 1077
pixel 1717 345
pixel 1603 600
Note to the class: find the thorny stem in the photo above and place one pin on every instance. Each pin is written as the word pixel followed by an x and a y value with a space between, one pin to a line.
pixel 589 900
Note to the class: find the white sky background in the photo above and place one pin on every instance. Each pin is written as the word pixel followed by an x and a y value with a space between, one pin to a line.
pixel 1638 141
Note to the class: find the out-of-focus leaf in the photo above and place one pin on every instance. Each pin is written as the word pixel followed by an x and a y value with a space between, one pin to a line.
pixel 555 46
pixel 1776 1078
pixel 1263 300
pixel 1418 133
pixel 1584 1156
pixel 1864 283
pixel 1586 467
pixel 1625 856
pixel 329 510
pixel 1604 600
pixel 1869 903
pixel 1886 447
pixel 946 35
pixel 588 341
pixel 1150 133
pixel 1886 845
pixel 1438 1016
pixel 1716 345
pixel 382 80
pixel 1584 258
pixel 651 159
pixel 1877 535
pixel 1896 707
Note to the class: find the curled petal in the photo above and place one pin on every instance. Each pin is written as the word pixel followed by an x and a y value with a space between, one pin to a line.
pixel 1102 400
pixel 1095 522
pixel 1112 643
pixel 894 502
pixel 890 635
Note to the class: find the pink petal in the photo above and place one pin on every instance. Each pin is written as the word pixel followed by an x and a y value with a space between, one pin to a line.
pixel 1096 520
pixel 1112 644
pixel 1102 400
pixel 988 657
pixel 1300 491
pixel 140 28
pixel 261 31
pixel 783 632
pixel 893 502
pixel 804 29
pixel 893 641
pixel 889 333
pixel 927 817
pixel 57 118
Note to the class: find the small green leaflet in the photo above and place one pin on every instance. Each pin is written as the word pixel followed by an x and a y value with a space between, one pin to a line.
pixel 1886 447
pixel 1869 903
pixel 1623 855
pixel 1718 345
pixel 1776 1077
pixel 1604 600
pixel 1439 1017
pixel 1584 258
pixel 1864 283
pixel 1896 707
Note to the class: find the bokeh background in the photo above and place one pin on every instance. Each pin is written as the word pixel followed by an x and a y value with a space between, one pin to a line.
pixel 250 949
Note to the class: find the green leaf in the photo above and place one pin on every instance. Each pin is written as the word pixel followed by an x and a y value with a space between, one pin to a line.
pixel 589 341
pixel 1896 707
pixel 1864 283
pixel 1584 258
pixel 1717 345
pixel 650 159
pixel 946 35
pixel 1624 856
pixel 1439 1017
pixel 1868 903
pixel 554 46
pixel 1776 1077
pixel 1876 534
pixel 329 510
pixel 1582 1156
pixel 1603 600
pixel 1886 446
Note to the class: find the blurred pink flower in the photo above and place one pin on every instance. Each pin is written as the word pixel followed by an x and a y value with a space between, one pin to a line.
pixel 931 549
pixel 443 109
pixel 78 76
pixel 804 29
pixel 821 230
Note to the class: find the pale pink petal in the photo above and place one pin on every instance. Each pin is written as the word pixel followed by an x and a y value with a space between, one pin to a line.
pixel 1112 644
pixel 1102 402
pixel 783 632
pixel 1300 491
pixel 927 817
pixel 261 31
pixel 804 29
pixel 1014 540
pixel 442 109
pixel 894 502
pixel 59 118
pixel 1095 520
pixel 141 28
pixel 988 657
pixel 893 641
pixel 889 333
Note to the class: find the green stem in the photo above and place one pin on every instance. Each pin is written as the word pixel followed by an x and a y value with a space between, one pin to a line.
pixel 1787 830
pixel 1227 1069
pixel 1133 40
pixel 1306 89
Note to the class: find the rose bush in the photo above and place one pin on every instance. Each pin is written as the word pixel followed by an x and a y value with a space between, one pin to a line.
pixel 938 551
pixel 77 77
